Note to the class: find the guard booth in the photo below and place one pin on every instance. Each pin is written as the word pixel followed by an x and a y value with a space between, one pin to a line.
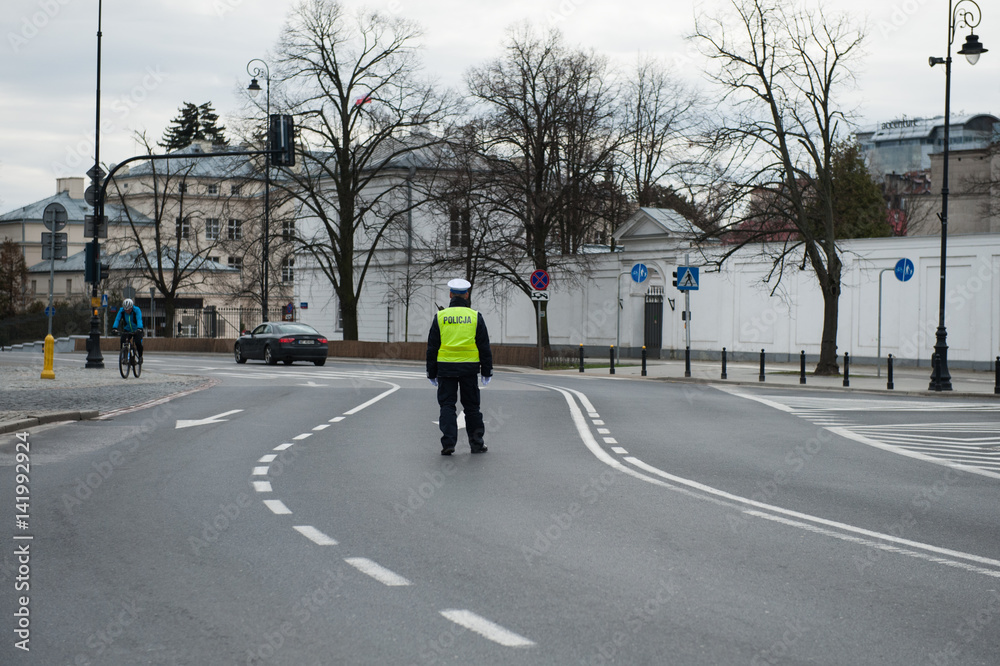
pixel 653 328
pixel 211 323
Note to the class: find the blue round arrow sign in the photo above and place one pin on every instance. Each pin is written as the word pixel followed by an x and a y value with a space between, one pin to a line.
pixel 904 270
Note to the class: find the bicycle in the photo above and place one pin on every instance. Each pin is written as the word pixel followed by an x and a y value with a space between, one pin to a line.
pixel 128 358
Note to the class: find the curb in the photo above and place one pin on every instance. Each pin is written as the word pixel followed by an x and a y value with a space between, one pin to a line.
pixel 42 419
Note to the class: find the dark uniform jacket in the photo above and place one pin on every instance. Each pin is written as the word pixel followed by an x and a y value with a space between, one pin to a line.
pixel 485 365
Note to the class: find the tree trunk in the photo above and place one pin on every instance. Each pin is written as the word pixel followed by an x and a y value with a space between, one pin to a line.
pixel 168 317
pixel 349 310
pixel 828 345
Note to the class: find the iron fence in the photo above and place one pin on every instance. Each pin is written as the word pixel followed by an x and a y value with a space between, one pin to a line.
pixel 218 322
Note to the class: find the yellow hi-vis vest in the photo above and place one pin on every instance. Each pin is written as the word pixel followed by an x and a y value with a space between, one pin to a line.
pixel 458 335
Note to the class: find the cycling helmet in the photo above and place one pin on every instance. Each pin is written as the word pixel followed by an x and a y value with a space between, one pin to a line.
pixel 127 304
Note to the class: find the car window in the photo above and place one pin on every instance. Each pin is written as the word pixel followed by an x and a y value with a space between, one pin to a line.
pixel 260 329
pixel 295 328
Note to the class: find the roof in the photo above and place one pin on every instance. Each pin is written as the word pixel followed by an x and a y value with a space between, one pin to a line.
pixel 655 222
pixel 76 210
pixel 232 166
pixel 124 261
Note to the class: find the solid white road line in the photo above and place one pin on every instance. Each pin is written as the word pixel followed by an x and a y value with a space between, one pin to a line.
pixel 695 489
pixel 336 419
pixel 302 436
pixel 268 458
pixel 282 447
pixel 277 506
pixel 489 630
pixel 262 486
pixel 322 427
pixel 260 471
pixel 395 387
pixel 314 535
pixel 377 571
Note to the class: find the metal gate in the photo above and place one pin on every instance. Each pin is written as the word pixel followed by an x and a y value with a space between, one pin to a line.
pixel 653 329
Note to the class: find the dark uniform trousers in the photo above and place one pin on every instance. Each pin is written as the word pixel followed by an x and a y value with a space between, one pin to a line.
pixel 448 390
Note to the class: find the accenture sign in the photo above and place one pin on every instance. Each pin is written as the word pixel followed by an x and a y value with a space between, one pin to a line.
pixel 900 124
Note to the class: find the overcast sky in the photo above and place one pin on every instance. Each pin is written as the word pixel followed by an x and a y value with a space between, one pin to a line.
pixel 158 54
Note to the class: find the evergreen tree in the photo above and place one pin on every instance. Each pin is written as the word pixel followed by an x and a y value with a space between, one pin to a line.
pixel 210 130
pixel 193 123
pixel 183 129
pixel 13 279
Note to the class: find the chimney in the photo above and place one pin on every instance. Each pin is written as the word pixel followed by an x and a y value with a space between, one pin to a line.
pixel 72 186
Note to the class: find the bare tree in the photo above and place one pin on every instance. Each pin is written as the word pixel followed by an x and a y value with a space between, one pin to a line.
pixel 365 117
pixel 548 132
pixel 780 71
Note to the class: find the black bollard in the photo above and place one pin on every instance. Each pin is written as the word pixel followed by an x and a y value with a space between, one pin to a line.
pixel 612 359
pixel 761 378
pixel 802 367
pixel 889 384
pixel 996 385
pixel 847 369
pixel 581 358
pixel 724 363
pixel 644 360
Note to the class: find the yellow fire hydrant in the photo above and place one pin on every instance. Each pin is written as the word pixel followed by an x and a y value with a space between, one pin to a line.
pixel 50 348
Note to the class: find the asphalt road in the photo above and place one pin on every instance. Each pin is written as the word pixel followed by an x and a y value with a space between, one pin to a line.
pixel 612 521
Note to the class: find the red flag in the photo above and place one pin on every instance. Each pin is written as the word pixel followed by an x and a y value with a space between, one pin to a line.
pixel 367 99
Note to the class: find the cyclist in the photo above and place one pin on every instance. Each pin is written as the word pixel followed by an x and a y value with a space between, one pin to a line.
pixel 131 320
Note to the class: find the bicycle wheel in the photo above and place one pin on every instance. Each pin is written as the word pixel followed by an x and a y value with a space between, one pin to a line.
pixel 136 366
pixel 123 362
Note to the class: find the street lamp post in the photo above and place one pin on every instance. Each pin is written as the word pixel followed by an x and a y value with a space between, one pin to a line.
pixel 972 49
pixel 254 88
pixel 95 359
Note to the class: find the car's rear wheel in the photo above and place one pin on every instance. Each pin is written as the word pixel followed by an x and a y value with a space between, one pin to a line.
pixel 238 353
pixel 268 356
pixel 321 361
pixel 287 361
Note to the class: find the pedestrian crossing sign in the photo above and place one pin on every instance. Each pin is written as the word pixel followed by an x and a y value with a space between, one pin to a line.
pixel 687 278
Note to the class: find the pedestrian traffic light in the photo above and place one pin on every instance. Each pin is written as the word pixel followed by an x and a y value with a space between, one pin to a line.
pixel 675 279
pixel 91 259
pixel 282 140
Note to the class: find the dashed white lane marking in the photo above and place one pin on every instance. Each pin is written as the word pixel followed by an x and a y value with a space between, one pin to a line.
pixel 322 427
pixel 395 387
pixel 594 415
pixel 268 458
pixel 377 571
pixel 610 440
pixel 302 436
pixel 619 450
pixel 603 431
pixel 260 471
pixel 487 629
pixel 277 507
pixel 282 447
pixel 314 535
pixel 262 486
pixel 598 422
pixel 336 419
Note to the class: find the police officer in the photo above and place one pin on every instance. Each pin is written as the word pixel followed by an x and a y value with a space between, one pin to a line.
pixel 458 348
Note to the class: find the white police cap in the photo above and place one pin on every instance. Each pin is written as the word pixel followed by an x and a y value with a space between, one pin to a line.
pixel 459 286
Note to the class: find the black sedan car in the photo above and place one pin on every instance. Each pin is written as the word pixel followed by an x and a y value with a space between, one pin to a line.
pixel 282 341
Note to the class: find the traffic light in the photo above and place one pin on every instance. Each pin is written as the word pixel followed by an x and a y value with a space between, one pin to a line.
pixel 282 139
pixel 675 279
pixel 104 272
pixel 91 261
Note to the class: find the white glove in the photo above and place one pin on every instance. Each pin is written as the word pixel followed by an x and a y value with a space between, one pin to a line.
pixel 486 380
pixel 434 382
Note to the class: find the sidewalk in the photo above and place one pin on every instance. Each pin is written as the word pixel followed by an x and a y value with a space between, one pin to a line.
pixel 907 380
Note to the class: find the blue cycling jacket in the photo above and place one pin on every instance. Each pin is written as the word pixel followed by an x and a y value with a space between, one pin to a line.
pixel 131 322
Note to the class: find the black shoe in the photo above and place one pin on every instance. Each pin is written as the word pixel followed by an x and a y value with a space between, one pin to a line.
pixel 448 451
pixel 480 449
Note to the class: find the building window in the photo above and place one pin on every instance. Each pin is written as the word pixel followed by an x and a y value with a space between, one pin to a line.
pixel 69 287
pixel 340 316
pixel 213 189
pixel 182 188
pixel 288 229
pixel 234 190
pixel 213 259
pixel 212 228
pixel 236 262
pixel 287 270
pixel 182 227
pixel 461 230
pixel 34 287
pixel 235 229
